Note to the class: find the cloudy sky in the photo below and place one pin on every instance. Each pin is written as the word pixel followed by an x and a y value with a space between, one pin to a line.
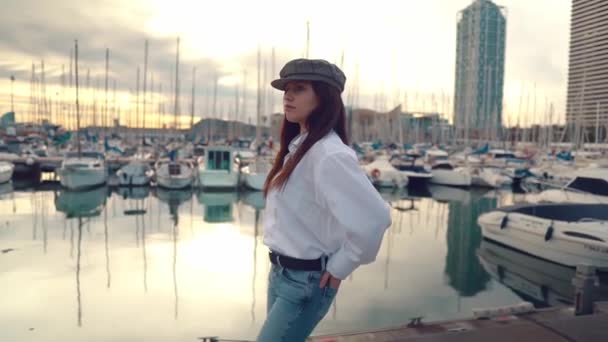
pixel 397 49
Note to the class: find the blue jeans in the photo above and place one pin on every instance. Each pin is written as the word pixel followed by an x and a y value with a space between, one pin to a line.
pixel 296 304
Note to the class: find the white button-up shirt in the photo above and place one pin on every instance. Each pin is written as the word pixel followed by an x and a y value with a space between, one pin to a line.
pixel 327 207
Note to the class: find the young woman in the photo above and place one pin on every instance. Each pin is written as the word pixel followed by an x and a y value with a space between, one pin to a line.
pixel 323 217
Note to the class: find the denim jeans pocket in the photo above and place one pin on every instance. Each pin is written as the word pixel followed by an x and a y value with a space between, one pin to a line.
pixel 301 278
pixel 330 292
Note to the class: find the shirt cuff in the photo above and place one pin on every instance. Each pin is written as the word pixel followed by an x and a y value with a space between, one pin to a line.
pixel 340 265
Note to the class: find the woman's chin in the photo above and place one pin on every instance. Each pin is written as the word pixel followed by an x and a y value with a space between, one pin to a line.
pixel 291 118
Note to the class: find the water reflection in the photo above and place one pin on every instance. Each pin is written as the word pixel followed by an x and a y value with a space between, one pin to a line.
pixel 541 282
pixel 6 188
pixel 462 268
pixel 80 206
pixel 218 206
pixel 174 198
pixel 87 203
pixel 176 280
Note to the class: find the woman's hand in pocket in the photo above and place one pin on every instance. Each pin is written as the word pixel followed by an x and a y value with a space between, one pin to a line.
pixel 328 279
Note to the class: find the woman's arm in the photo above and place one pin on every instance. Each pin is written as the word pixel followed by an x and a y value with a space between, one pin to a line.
pixel 345 191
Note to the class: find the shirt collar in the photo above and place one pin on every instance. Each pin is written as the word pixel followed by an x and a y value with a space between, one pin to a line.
pixel 296 142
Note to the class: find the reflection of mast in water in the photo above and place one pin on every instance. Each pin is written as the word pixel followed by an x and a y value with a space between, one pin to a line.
pixel 65 228
pixel 78 295
pixel 71 240
pixel 255 249
pixel 43 218
pixel 143 241
pixel 105 233
pixel 388 249
pixel 173 208
pixel 34 216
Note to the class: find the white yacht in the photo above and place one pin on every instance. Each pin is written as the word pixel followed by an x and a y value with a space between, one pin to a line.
pixel 383 174
pixel 136 173
pixel 488 177
pixel 587 186
pixel 568 234
pixel 172 174
pixel 254 174
pixel 444 172
pixel 217 169
pixel 82 171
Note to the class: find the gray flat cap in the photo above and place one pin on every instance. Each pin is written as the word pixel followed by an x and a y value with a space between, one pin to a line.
pixel 310 70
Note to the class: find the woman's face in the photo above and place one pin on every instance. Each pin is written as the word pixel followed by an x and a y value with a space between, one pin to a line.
pixel 299 100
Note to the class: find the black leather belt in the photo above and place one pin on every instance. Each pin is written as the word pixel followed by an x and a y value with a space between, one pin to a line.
pixel 298 264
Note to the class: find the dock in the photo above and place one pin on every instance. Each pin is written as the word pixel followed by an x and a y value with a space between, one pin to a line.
pixel 553 324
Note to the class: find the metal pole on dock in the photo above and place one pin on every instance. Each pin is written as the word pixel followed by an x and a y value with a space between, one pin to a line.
pixel 584 283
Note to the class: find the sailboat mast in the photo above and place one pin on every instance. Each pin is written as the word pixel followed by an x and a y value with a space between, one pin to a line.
pixel 145 86
pixel 259 101
pixel 193 98
pixel 77 103
pixel 175 104
pixel 105 110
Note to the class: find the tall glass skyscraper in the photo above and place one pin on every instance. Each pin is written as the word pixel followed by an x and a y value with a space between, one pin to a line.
pixel 480 65
pixel 587 103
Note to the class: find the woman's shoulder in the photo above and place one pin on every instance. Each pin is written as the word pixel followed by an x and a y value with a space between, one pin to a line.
pixel 329 145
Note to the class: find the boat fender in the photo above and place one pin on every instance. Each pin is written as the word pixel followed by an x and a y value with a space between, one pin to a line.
pixel 375 173
pixel 504 222
pixel 549 232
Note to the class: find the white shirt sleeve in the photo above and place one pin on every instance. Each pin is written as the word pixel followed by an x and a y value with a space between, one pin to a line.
pixel 344 190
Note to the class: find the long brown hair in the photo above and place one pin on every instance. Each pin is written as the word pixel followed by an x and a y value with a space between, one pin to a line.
pixel 329 115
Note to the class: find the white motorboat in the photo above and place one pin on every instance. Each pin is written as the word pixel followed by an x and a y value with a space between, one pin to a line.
pixel 136 173
pixel 587 186
pixel 174 174
pixel 254 174
pixel 383 174
pixel 217 169
pixel 6 171
pixel 82 171
pixel 488 177
pixel 444 172
pixel 567 234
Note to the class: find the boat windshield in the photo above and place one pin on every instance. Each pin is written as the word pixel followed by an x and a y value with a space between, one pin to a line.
pixel 595 186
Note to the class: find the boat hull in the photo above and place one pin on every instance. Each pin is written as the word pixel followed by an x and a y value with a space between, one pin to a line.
pixel 218 179
pixel 79 179
pixel 451 178
pixel 531 235
pixel 173 183
pixel 255 181
pixel 6 173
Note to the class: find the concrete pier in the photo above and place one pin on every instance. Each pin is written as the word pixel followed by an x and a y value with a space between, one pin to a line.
pixel 555 324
